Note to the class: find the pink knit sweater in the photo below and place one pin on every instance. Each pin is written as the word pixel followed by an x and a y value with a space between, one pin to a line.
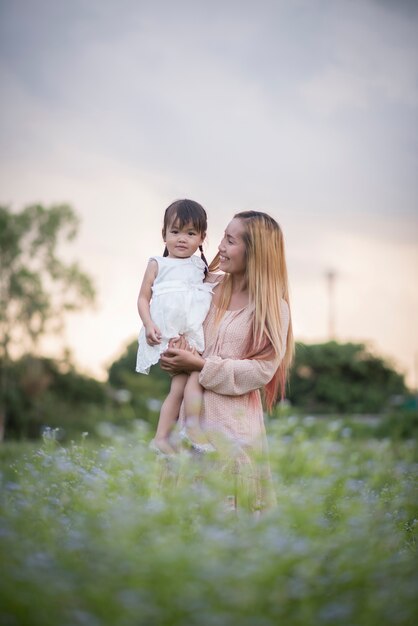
pixel 232 410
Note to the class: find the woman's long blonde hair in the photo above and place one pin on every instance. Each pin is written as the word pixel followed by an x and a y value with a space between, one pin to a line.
pixel 267 282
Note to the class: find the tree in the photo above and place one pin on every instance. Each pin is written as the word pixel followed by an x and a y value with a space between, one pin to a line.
pixel 37 287
pixel 47 392
pixel 146 392
pixel 345 378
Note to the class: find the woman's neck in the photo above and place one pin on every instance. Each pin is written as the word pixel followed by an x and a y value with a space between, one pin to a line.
pixel 239 284
pixel 239 293
pixel 239 297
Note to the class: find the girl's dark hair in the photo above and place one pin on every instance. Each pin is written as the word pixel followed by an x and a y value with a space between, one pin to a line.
pixel 186 212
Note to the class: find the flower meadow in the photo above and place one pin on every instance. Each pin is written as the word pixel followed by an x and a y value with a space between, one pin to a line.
pixel 104 533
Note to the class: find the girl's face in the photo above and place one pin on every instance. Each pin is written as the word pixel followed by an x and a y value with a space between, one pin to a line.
pixel 232 249
pixel 182 243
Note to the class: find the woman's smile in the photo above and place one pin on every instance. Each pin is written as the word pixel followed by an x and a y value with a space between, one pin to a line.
pixel 232 248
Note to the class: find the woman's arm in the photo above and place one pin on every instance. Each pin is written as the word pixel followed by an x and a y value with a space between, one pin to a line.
pixel 228 377
pixel 235 377
pixel 152 332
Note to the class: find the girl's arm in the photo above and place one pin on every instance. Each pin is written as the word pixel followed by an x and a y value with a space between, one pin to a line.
pixel 152 332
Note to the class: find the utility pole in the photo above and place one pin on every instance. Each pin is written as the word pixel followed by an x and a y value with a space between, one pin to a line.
pixel 330 276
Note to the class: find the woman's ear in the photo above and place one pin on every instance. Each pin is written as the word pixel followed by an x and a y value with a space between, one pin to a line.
pixel 163 234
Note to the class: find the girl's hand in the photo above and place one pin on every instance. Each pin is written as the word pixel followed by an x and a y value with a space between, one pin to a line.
pixel 153 335
pixel 176 360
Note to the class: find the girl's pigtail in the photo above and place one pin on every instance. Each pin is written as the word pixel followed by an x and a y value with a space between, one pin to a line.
pixel 203 259
pixel 165 251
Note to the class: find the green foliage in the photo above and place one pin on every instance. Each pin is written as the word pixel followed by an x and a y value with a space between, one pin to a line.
pixel 343 378
pixel 36 286
pixel 46 392
pixel 398 425
pixel 43 394
pixel 36 289
pixel 90 535
pixel 146 392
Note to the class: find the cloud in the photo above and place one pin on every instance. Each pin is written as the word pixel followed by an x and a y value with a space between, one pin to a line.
pixel 373 60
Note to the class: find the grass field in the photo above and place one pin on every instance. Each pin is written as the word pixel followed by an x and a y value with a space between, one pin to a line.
pixel 89 537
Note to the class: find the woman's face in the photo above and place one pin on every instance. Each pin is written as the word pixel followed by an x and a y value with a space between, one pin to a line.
pixel 232 248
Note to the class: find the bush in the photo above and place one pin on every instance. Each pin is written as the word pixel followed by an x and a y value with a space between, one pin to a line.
pixel 39 393
pixel 342 378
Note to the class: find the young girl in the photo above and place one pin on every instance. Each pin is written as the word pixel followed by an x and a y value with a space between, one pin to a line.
pixel 173 301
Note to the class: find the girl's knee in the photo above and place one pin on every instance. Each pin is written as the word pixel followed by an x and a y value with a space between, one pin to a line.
pixel 178 385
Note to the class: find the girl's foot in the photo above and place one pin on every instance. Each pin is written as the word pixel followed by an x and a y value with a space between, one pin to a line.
pixel 162 446
pixel 196 441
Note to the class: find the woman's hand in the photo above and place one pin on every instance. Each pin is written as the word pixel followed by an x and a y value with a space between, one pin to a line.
pixel 179 342
pixel 177 360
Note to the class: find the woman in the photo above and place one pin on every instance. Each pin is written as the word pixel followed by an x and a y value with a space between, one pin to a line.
pixel 249 347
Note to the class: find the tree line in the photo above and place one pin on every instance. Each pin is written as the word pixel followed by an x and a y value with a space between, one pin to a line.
pixel 37 289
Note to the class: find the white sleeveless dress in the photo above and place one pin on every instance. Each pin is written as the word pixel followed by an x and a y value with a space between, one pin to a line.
pixel 180 302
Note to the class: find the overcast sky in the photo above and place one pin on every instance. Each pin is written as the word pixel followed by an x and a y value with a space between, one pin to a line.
pixel 305 109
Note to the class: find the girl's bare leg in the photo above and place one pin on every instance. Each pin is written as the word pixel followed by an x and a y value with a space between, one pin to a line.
pixel 169 413
pixel 193 400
